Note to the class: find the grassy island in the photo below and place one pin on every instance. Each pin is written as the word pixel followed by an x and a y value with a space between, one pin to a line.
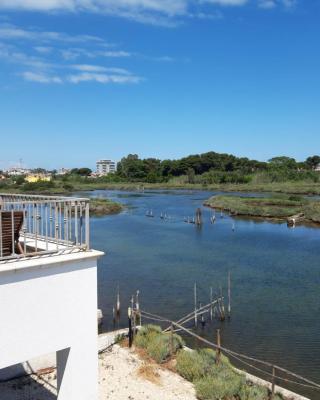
pixel 276 207
pixel 100 207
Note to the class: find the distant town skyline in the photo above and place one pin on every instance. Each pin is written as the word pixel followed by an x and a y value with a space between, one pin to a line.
pixel 160 79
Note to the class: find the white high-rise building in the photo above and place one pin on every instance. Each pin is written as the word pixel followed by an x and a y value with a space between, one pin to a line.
pixel 105 167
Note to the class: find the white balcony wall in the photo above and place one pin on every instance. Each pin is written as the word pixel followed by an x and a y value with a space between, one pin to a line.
pixel 49 304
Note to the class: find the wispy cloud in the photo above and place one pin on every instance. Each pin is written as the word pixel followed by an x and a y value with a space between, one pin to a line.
pixel 103 78
pixel 168 13
pixel 10 31
pixel 270 4
pixel 51 62
pixel 40 77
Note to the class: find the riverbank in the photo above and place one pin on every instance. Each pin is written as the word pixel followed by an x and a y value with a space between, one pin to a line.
pixel 302 188
pixel 59 187
pixel 272 207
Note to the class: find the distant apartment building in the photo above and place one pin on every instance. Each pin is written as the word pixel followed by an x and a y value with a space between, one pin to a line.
pixel 63 171
pixel 105 167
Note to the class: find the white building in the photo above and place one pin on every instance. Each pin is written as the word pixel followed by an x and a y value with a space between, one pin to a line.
pixel 14 171
pixel 63 171
pixel 48 289
pixel 105 167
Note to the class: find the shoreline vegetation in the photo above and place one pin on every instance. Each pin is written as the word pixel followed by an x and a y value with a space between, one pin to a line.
pixel 292 209
pixel 212 380
pixel 57 187
pixel 101 207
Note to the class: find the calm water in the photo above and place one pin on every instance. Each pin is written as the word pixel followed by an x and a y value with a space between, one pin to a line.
pixel 275 273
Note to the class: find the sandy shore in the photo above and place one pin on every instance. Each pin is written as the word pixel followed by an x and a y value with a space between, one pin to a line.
pixel 122 376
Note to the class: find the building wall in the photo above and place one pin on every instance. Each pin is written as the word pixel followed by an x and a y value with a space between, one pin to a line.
pixel 50 305
pixel 105 167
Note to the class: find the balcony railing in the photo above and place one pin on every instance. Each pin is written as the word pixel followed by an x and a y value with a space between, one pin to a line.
pixel 38 225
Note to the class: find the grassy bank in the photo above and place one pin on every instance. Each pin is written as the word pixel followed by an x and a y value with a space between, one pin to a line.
pixel 277 207
pixel 58 186
pixel 212 381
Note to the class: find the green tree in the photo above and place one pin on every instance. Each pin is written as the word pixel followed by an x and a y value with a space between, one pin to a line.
pixel 313 162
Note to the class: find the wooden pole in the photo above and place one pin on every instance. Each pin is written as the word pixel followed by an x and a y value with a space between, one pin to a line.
pixel 171 340
pixel 211 307
pixel 229 295
pixel 130 326
pixel 195 306
pixel 133 317
pixel 222 305
pixel 218 350
pixel 273 382
pixel 118 302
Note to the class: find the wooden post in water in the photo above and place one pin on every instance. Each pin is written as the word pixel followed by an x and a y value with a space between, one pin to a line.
pixel 195 306
pixel 138 308
pixel 199 216
pixel 114 316
pixel 229 295
pixel 118 303
pixel 273 382
pixel 211 305
pixel 130 326
pixel 223 317
pixel 133 316
pixel 218 350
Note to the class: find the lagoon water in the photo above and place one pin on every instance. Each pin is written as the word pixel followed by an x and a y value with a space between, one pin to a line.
pixel 275 273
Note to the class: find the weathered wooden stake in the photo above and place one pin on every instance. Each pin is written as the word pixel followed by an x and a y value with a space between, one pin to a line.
pixel 118 302
pixel 229 295
pixel 195 305
pixel 211 306
pixel 273 382
pixel 130 326
pixel 138 308
pixel 133 316
pixel 171 340
pixel 223 316
pixel 218 350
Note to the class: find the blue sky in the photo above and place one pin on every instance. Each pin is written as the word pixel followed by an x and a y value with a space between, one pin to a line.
pixel 88 79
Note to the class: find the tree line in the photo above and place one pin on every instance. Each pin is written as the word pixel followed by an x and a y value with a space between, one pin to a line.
pixel 214 167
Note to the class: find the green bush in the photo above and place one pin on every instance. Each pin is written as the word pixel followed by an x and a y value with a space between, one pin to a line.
pixel 157 343
pixel 193 365
pixel 225 384
pixel 145 335
pixel 254 393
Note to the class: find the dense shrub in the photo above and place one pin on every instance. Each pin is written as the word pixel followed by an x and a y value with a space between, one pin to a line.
pixel 157 344
pixel 224 384
pixel 193 365
pixel 254 393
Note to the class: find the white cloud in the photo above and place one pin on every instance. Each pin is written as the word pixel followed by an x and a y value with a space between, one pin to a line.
pixel 40 77
pixel 43 49
pixel 226 2
pixel 114 54
pixel 102 78
pixel 12 32
pixel 169 13
pixel 267 4
pixel 270 4
pixel 99 68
